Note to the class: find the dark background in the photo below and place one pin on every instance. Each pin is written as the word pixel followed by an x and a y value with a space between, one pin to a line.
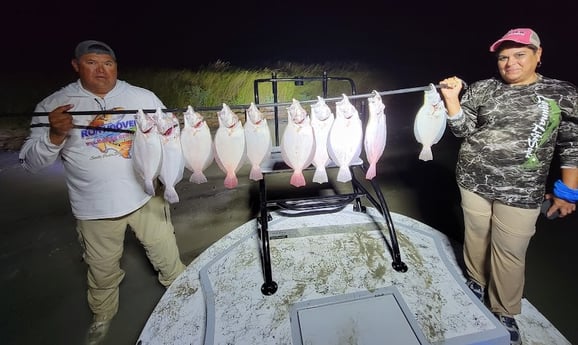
pixel 414 42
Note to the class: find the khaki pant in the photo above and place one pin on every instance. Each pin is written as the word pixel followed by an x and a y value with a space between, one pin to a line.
pixel 495 242
pixel 102 241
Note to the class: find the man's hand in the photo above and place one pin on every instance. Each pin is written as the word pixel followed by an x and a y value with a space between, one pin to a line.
pixel 60 123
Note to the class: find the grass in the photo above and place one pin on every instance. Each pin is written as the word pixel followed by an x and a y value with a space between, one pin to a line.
pixel 205 87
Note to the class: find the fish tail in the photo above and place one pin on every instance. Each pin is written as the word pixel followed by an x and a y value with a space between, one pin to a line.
pixel 149 188
pixel 297 179
pixel 320 175
pixel 256 173
pixel 198 177
pixel 371 171
pixel 171 195
pixel 231 181
pixel 426 154
pixel 344 175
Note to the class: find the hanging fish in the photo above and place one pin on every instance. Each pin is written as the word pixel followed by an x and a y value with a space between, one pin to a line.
pixel 173 163
pixel 298 143
pixel 229 145
pixel 258 140
pixel 321 120
pixel 375 134
pixel 430 122
pixel 147 151
pixel 345 138
pixel 197 145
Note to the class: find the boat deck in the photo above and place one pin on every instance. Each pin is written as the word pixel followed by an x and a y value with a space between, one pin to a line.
pixel 336 285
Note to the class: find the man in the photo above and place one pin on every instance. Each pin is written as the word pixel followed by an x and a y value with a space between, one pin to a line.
pixel 512 127
pixel 105 194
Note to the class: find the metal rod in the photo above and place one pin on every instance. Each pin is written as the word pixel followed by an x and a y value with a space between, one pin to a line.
pixel 236 107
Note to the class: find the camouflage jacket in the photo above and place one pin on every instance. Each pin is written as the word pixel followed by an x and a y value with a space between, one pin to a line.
pixel 510 135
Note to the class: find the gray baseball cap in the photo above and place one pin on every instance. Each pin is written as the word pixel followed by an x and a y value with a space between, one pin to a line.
pixel 92 46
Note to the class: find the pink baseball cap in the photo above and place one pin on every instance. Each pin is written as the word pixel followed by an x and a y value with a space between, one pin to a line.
pixel 521 35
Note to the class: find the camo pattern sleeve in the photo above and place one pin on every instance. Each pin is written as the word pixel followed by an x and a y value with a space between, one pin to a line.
pixel 510 137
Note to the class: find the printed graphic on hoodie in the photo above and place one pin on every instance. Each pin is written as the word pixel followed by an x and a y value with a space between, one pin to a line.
pixel 542 130
pixel 119 139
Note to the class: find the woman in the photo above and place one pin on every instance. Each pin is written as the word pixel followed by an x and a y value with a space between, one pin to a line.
pixel 511 127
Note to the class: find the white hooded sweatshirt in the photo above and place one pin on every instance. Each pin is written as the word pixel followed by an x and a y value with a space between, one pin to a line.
pixel 98 163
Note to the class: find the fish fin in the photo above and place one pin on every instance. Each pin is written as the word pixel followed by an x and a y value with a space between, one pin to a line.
pixel 150 188
pixel 371 172
pixel 320 175
pixel 344 175
pixel 256 173
pixel 297 179
pixel 231 181
pixel 171 195
pixel 426 154
pixel 198 177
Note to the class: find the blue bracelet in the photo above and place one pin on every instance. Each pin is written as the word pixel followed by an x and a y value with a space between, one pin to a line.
pixel 561 191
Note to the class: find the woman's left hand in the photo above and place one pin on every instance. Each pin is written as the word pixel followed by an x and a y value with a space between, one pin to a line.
pixel 562 206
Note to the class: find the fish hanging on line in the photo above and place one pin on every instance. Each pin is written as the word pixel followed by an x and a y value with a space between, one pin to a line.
pixel 197 145
pixel 147 151
pixel 258 141
pixel 375 134
pixel 230 145
pixel 346 138
pixel 430 122
pixel 298 143
pixel 321 120
pixel 173 162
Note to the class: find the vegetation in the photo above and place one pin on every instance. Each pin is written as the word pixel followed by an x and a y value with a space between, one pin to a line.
pixel 206 87
pixel 218 83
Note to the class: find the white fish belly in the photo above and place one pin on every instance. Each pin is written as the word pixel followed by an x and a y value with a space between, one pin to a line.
pixel 197 146
pixel 321 132
pixel 298 146
pixel 345 141
pixel 258 140
pixel 147 157
pixel 344 146
pixel 375 138
pixel 229 149
pixel 429 127
pixel 321 158
pixel 172 168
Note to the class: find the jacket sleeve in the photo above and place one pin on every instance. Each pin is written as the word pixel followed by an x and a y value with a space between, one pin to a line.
pixel 38 152
pixel 567 141
pixel 464 124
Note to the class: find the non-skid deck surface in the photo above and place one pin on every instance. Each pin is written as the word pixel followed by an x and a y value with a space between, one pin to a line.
pixel 335 265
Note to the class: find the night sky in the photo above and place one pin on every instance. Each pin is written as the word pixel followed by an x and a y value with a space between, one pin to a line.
pixel 416 42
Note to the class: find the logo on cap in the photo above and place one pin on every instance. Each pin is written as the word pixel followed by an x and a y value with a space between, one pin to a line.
pixel 521 35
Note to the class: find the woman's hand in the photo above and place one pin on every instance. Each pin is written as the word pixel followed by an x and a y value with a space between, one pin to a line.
pixel 450 91
pixel 561 206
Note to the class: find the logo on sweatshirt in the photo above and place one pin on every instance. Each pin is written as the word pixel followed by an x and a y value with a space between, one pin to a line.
pixel 111 133
pixel 542 130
